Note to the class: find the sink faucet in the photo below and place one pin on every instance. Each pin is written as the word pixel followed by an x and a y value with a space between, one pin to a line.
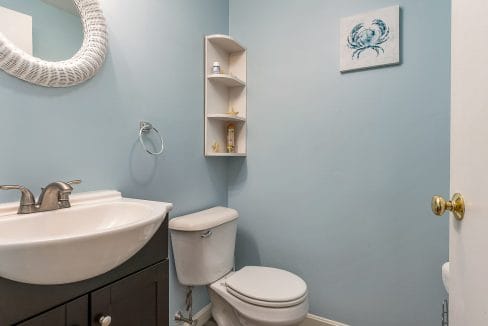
pixel 54 196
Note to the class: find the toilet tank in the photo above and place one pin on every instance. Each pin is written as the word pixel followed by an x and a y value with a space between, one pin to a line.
pixel 203 245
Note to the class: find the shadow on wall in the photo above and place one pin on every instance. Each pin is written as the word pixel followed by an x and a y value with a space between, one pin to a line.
pixel 138 158
pixel 246 243
pixel 248 249
pixel 237 172
pixel 214 172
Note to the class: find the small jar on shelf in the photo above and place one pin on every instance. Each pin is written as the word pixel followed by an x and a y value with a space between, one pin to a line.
pixel 216 69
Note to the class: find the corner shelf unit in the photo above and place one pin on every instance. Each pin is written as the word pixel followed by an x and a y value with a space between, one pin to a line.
pixel 227 80
pixel 225 92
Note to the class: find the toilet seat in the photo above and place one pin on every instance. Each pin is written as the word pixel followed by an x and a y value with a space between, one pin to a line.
pixel 230 310
pixel 267 304
pixel 267 287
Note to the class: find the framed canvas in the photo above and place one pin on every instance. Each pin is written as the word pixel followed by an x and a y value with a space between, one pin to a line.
pixel 370 39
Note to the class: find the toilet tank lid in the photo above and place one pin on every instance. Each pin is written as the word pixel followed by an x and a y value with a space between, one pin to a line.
pixel 203 220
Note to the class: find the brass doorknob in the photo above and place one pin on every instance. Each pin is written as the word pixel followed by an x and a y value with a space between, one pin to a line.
pixel 456 206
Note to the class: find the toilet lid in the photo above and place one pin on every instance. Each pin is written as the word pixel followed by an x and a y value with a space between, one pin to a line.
pixel 267 286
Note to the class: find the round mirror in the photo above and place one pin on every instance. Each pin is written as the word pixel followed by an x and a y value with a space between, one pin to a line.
pixel 47 29
pixel 53 43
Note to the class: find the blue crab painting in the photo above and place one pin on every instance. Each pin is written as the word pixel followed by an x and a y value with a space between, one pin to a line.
pixel 363 38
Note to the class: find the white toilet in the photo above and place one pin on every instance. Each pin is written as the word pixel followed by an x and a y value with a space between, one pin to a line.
pixel 203 248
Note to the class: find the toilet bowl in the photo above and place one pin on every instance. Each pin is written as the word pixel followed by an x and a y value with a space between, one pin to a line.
pixel 203 249
pixel 259 296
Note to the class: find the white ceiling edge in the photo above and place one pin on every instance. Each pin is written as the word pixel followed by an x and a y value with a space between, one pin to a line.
pixel 66 5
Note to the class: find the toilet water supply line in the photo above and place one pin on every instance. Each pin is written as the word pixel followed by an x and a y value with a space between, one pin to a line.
pixel 189 306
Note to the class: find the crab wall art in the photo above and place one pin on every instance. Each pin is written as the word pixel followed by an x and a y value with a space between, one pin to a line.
pixel 370 40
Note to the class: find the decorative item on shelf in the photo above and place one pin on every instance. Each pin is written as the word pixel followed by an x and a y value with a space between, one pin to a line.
pixel 216 69
pixel 231 131
pixel 232 112
pixel 216 147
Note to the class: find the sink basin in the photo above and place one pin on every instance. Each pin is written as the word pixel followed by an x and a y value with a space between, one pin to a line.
pixel 98 233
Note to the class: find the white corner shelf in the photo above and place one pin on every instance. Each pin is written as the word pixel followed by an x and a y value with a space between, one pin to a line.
pixel 226 117
pixel 227 80
pixel 225 92
pixel 225 43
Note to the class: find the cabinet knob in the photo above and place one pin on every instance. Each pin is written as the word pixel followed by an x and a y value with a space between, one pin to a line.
pixel 105 320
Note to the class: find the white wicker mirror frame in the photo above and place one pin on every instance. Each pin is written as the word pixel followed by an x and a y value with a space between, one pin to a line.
pixel 81 67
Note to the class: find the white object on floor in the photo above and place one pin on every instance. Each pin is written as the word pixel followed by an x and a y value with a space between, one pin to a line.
pixel 203 247
pixel 98 233
pixel 445 276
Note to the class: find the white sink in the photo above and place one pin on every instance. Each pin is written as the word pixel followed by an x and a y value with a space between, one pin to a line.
pixel 98 233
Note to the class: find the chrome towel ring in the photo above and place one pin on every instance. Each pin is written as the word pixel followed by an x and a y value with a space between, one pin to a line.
pixel 145 128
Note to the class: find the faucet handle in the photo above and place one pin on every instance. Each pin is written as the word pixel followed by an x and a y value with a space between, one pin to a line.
pixel 64 196
pixel 27 201
pixel 27 196
pixel 11 187
pixel 74 182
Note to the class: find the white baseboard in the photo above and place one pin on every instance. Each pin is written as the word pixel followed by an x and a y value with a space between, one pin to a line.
pixel 313 320
pixel 202 316
pixel 205 314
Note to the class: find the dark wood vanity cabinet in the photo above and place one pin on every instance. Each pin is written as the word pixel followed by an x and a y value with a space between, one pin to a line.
pixel 133 294
pixel 73 313
pixel 138 300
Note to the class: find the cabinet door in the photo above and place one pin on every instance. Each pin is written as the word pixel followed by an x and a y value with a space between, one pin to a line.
pixel 55 317
pixel 137 300
pixel 74 313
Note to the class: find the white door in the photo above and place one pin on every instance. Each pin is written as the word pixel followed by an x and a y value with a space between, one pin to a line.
pixel 468 239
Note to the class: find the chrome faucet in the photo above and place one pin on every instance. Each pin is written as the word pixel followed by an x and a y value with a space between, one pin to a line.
pixel 53 196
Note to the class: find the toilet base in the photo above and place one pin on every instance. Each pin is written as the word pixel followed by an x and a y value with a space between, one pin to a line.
pixel 222 312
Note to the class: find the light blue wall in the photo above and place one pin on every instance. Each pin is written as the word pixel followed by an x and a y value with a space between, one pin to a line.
pixel 341 168
pixel 154 71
